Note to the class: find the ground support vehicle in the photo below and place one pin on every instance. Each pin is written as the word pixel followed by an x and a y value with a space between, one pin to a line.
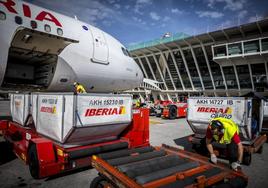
pixel 163 166
pixel 176 110
pixel 159 107
pixel 63 131
pixel 247 113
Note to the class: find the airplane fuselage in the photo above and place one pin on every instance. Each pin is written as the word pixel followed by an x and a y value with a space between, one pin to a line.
pixel 44 50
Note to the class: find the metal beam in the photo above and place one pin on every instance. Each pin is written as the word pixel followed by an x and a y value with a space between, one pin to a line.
pixel 165 61
pixel 177 69
pixel 237 79
pixel 208 65
pixel 224 80
pixel 196 64
pixel 150 67
pixel 139 59
pixel 176 66
pixel 259 27
pixel 160 72
pixel 186 67
pixel 226 35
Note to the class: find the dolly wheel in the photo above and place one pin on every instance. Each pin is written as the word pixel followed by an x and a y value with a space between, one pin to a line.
pixel 33 162
pixel 172 112
pixel 247 158
pixel 98 182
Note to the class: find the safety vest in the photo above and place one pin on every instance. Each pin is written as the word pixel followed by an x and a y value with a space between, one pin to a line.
pixel 230 128
pixel 80 89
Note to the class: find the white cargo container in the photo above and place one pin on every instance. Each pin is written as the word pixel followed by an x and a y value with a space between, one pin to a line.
pixel 243 111
pixel 20 105
pixel 74 119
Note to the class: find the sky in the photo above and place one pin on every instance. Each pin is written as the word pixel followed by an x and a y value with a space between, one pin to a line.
pixel 135 21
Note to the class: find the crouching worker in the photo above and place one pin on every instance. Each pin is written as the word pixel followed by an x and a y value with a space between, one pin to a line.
pixel 225 131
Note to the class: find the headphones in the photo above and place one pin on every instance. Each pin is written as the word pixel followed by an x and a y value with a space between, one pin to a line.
pixel 215 124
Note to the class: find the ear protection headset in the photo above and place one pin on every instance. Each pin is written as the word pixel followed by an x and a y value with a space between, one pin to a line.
pixel 215 124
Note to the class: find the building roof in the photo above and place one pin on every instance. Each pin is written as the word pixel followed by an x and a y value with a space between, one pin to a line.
pixel 246 31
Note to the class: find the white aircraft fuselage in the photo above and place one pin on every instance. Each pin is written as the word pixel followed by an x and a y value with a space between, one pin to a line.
pixel 47 51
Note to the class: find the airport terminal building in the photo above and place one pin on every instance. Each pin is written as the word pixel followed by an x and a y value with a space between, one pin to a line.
pixel 226 62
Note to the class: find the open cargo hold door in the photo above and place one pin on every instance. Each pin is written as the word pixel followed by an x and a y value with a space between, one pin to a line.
pixel 32 59
pixel 100 47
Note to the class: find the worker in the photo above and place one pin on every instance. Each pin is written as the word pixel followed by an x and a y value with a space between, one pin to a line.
pixel 79 88
pixel 225 131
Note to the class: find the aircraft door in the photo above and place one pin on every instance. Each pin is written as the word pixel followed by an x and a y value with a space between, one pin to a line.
pixel 100 47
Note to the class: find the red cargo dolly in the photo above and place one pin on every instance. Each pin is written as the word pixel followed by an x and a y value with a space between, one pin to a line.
pixel 163 166
pixel 46 157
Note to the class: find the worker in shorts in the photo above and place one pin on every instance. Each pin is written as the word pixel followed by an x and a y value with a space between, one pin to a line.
pixel 225 131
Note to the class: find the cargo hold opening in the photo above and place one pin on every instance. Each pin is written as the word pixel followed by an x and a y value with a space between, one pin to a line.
pixel 32 59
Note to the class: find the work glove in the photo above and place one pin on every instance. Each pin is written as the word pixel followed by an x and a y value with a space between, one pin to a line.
pixel 213 158
pixel 236 166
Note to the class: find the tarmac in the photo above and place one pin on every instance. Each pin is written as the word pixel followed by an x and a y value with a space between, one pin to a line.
pixel 14 173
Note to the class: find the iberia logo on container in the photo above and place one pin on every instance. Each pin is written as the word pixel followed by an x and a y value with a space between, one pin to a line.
pixel 226 110
pixel 51 110
pixel 105 111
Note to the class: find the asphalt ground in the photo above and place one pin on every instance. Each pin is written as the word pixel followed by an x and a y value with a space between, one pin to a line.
pixel 14 173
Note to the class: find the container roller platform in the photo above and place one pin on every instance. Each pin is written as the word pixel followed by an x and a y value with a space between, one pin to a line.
pixel 163 167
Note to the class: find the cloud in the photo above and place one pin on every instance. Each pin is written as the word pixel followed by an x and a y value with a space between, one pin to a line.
pixel 154 16
pixel 242 13
pixel 117 6
pixel 166 18
pixel 176 11
pixel 255 18
pixel 209 14
pixel 141 4
pixel 232 5
pixel 225 24
pixel 139 20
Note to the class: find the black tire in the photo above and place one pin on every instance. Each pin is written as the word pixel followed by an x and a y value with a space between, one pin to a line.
pixel 247 159
pixel 33 162
pixel 260 150
pixel 172 112
pixel 98 182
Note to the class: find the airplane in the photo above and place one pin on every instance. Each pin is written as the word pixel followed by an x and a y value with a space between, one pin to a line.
pixel 42 50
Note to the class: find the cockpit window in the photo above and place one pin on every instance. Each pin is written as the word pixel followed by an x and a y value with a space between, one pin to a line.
pixel 125 52
pixel 128 53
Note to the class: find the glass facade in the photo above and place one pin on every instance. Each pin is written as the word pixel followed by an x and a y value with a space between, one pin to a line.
pixel 154 68
pixel 225 62
pixel 259 75
pixel 244 76
pixel 251 46
pixel 220 51
pixel 182 70
pixel 192 68
pixel 147 69
pixel 230 77
pixel 264 44
pixel 235 49
pixel 201 61
pixel 215 70
pixel 173 72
